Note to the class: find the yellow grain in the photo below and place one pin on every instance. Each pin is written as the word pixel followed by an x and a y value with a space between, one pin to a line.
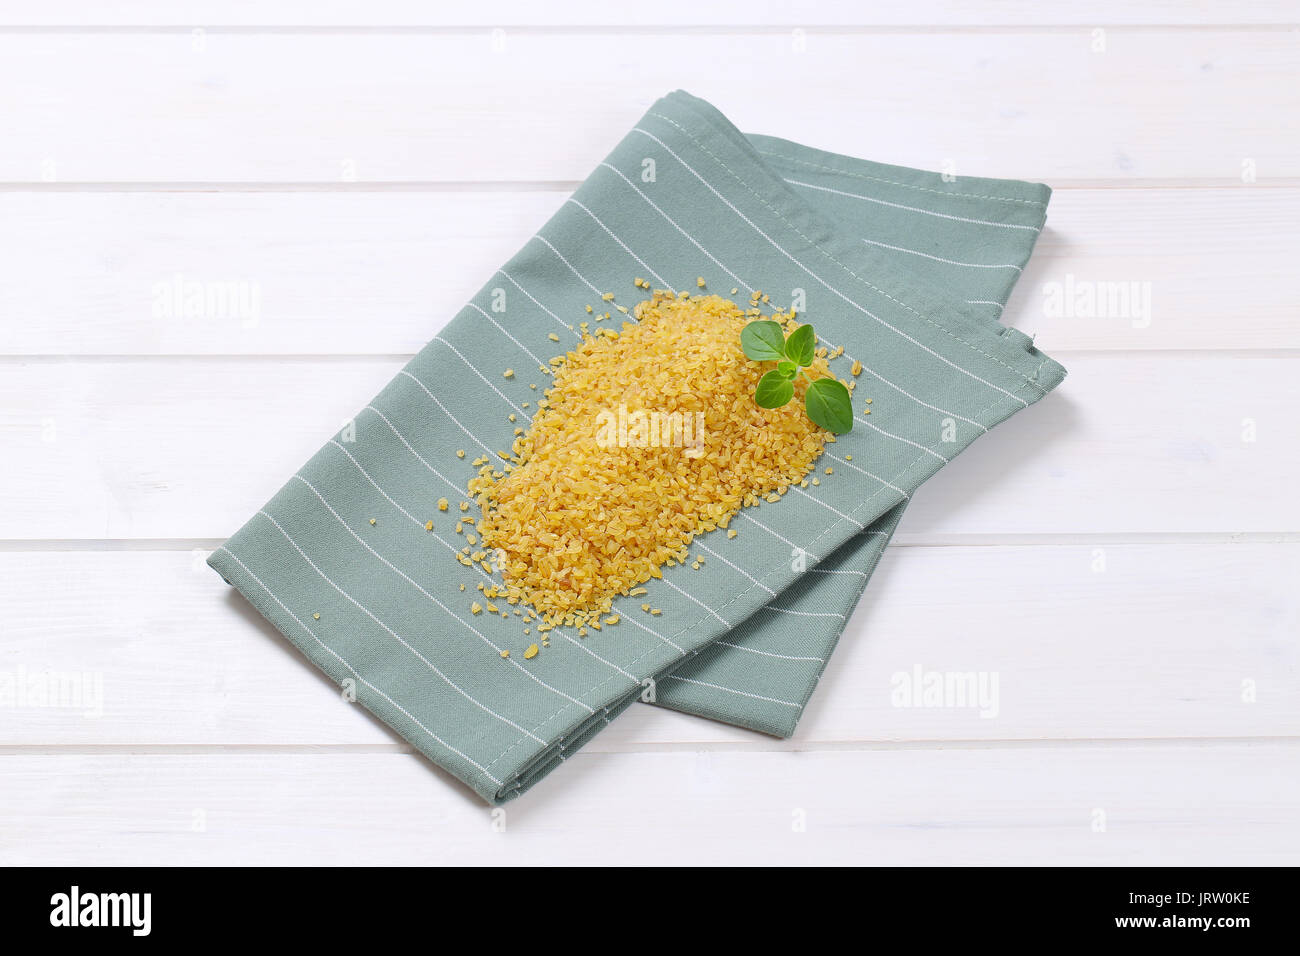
pixel 580 522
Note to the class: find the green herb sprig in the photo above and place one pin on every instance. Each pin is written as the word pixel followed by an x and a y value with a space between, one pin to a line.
pixel 826 400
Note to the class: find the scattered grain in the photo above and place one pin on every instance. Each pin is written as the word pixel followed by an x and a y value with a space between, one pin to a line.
pixel 683 357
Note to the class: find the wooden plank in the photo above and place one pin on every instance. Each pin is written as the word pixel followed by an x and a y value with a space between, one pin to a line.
pixel 943 14
pixel 1097 641
pixel 140 449
pixel 377 273
pixel 387 107
pixel 329 273
pixel 1058 805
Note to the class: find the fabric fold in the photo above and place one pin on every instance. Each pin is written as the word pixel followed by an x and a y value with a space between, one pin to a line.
pixel 340 559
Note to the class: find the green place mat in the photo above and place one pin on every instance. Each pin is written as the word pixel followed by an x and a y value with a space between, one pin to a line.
pixel 902 269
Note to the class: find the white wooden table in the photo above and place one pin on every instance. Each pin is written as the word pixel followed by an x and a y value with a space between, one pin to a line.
pixel 1125 556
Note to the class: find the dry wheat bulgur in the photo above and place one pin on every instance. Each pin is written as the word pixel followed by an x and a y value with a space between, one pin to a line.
pixel 579 524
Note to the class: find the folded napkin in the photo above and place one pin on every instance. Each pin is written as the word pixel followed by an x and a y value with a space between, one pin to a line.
pixel 902 269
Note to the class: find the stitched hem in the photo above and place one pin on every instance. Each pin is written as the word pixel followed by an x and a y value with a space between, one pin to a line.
pixel 955 332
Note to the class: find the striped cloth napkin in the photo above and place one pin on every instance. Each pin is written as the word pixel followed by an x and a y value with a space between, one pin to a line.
pixel 905 270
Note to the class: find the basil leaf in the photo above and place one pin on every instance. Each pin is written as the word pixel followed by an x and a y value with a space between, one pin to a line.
pixel 773 390
pixel 763 341
pixel 799 347
pixel 787 368
pixel 828 405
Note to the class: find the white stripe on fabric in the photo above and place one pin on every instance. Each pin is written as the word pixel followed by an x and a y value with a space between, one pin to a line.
pixel 540 238
pixel 439 338
pixel 735 278
pixel 455 487
pixel 863 309
pixel 567 326
pixel 474 438
pixel 927 212
pixel 704 547
pixel 662 281
pixel 691 597
pixel 829 343
pixel 928 451
pixel 951 262
pixel 415 584
pixel 529 352
pixel 869 475
pixel 898 388
pixel 372 481
pixel 853 521
pixel 583 646
pixel 428 663
pixel 805 551
pixel 784 657
pixel 892 182
pixel 353 671
pixel 730 690
pixel 786 610
pixel 446 544
pixel 631 620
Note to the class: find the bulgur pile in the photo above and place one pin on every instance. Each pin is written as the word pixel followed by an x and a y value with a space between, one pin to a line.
pixel 576 521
